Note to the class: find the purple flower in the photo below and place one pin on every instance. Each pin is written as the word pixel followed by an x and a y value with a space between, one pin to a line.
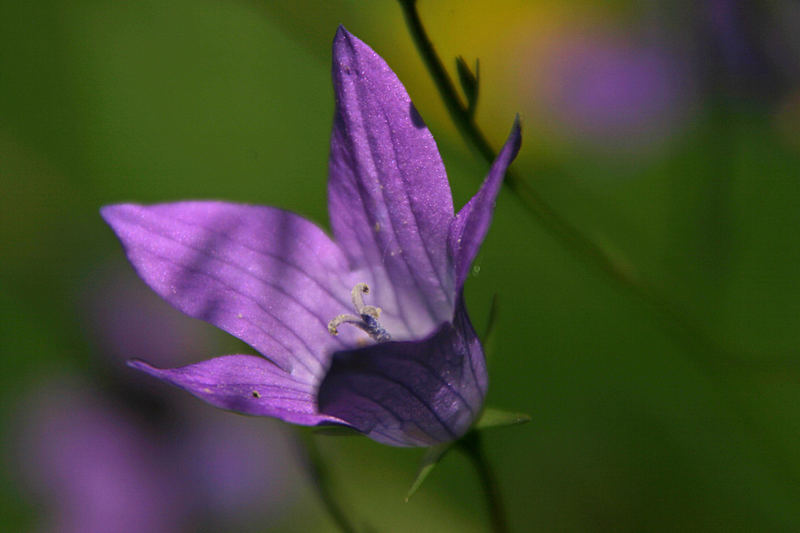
pixel 613 92
pixel 368 331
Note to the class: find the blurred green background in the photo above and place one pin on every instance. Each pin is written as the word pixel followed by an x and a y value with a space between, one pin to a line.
pixel 668 135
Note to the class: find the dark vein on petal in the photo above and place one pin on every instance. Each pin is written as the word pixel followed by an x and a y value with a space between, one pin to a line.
pixel 245 271
pixel 432 372
pixel 357 110
pixel 431 262
pixel 410 391
pixel 420 293
pixel 296 357
pixel 356 391
pixel 364 196
pixel 342 126
pixel 267 253
pixel 241 396
pixel 241 268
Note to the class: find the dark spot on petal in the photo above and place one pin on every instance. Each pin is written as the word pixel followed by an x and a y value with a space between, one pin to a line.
pixel 256 394
pixel 416 119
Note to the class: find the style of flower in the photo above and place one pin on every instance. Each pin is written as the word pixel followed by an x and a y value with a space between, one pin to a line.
pixel 368 330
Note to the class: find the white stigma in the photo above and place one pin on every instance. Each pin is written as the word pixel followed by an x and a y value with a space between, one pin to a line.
pixel 367 318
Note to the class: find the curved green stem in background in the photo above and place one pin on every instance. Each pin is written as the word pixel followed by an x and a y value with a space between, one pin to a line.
pixel 320 479
pixel 712 356
pixel 472 446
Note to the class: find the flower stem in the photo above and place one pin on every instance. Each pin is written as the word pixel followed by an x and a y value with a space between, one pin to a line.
pixel 320 479
pixel 472 446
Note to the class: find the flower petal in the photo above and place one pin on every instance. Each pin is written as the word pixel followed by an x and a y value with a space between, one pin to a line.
pixel 246 384
pixel 389 200
pixel 471 224
pixel 413 393
pixel 267 276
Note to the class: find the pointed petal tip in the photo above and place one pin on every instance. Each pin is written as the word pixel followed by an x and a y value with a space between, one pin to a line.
pixel 509 150
pixel 138 364
pixel 349 50
pixel 471 224
pixel 343 37
pixel 135 363
pixel 110 213
pixel 341 32
pixel 107 211
pixel 147 368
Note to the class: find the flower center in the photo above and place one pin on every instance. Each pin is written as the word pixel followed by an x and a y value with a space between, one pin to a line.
pixel 367 319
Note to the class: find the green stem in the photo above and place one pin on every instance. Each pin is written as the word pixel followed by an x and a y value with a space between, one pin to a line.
pixel 320 479
pixel 472 446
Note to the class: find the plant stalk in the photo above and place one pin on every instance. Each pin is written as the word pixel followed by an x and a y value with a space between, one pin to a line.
pixel 320 479
pixel 472 446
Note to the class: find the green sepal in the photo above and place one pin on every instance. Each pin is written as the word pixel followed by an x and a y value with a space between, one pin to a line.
pixel 432 456
pixel 491 418
pixel 470 82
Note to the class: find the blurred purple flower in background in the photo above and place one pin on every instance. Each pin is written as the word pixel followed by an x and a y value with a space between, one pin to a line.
pixel 94 467
pixel 98 466
pixel 611 91
pixel 124 458
pixel 410 373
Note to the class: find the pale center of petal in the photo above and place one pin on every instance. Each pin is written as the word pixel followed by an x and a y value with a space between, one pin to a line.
pixel 366 317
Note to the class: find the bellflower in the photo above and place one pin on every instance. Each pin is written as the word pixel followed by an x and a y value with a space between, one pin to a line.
pixel 368 330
